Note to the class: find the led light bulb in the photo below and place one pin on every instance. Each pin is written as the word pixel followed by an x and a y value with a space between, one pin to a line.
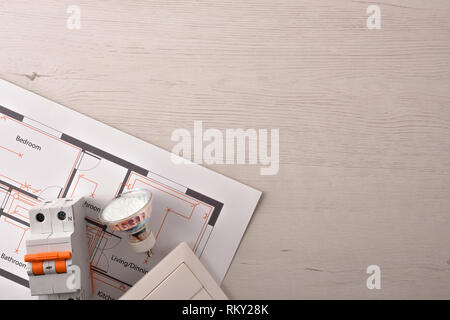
pixel 130 213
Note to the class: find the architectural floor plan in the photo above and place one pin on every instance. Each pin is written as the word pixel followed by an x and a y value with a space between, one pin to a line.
pixel 40 159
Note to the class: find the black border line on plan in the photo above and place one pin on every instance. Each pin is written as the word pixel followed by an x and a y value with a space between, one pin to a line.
pixel 2 213
pixel 10 276
pixel 103 154
pixel 11 114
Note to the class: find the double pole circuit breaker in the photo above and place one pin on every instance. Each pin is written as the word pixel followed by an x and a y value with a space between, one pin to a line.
pixel 57 251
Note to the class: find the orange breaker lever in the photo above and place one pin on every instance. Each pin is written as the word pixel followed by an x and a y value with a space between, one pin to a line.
pixel 54 261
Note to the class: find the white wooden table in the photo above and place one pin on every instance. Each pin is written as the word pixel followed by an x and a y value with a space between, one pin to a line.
pixel 364 119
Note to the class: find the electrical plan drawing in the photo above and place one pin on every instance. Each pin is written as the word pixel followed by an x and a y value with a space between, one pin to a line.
pixel 41 160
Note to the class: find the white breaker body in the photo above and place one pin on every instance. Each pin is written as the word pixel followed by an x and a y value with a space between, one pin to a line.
pixel 57 251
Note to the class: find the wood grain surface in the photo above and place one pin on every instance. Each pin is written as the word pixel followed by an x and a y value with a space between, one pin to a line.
pixel 364 119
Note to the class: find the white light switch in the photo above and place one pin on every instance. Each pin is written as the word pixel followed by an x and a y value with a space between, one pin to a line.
pixel 179 276
pixel 180 285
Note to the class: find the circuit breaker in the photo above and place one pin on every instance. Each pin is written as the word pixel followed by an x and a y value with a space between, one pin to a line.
pixel 57 251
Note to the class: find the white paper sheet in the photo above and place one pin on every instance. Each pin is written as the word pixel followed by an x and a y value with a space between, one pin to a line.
pixel 49 151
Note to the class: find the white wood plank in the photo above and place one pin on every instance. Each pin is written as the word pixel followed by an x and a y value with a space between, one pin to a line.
pixel 363 115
